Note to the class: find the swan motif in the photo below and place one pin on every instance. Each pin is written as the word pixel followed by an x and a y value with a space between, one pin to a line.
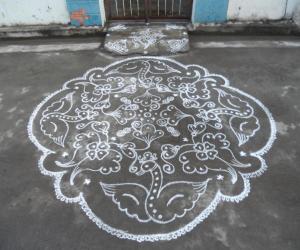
pixel 54 122
pixel 242 122
pixel 161 203
pixel 144 68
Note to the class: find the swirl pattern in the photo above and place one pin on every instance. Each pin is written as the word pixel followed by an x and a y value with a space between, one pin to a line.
pixel 152 141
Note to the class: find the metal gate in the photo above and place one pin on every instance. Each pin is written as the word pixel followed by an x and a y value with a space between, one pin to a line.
pixel 148 9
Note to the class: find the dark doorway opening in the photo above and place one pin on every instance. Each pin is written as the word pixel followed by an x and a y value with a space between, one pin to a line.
pixel 163 10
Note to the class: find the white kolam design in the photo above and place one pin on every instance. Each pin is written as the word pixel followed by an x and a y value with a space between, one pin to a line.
pixel 118 46
pixel 148 146
pixel 146 37
pixel 117 27
pixel 176 45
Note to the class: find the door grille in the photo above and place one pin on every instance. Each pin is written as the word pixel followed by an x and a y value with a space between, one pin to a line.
pixel 148 9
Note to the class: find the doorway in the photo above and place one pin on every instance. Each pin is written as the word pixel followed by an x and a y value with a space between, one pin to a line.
pixel 161 10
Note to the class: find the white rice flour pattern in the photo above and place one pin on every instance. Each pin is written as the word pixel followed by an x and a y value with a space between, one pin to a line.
pixel 153 40
pixel 148 146
pixel 145 38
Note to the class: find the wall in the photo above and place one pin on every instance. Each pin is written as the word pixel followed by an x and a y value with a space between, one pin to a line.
pixel 84 12
pixel 91 12
pixel 246 10
pixel 208 11
pixel 296 14
pixel 291 8
pixel 31 12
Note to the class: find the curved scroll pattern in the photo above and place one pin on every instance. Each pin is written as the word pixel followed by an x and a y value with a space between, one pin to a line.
pixel 152 141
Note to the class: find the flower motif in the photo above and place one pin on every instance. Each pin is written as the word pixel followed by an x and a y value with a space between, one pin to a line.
pixel 156 117
pixel 205 151
pixel 187 87
pixel 171 116
pixel 196 128
pixel 148 133
pixel 103 89
pixel 97 150
pixel 88 114
pixel 147 99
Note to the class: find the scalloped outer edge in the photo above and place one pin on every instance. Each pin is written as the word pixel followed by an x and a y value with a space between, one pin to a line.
pixel 203 215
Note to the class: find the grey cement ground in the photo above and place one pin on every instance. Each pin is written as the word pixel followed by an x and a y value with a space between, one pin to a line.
pixel 32 218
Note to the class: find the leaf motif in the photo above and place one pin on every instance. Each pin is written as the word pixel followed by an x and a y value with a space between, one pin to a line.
pixel 128 149
pixel 169 151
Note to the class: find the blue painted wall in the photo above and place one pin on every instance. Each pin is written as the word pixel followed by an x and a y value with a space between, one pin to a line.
pixel 84 12
pixel 210 11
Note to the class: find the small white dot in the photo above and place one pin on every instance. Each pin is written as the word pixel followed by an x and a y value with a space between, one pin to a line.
pixel 220 177
pixel 87 181
pixel 65 154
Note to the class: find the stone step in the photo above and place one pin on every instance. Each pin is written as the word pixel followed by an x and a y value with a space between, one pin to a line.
pixel 145 39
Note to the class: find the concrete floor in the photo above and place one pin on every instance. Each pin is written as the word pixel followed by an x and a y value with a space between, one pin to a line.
pixel 32 218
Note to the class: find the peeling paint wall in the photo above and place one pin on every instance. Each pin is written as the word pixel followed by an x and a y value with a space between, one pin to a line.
pixel 33 12
pixel 84 12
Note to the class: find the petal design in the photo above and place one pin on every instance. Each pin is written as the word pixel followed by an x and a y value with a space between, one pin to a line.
pixel 156 142
pixel 148 133
pixel 202 156
pixel 101 154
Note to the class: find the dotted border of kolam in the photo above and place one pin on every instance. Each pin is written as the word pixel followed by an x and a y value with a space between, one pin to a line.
pixel 162 236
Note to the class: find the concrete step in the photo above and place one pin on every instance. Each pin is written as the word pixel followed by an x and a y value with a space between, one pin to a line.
pixel 145 39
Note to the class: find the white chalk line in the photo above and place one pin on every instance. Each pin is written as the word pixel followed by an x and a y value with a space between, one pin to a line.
pixel 94 46
pixel 247 44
